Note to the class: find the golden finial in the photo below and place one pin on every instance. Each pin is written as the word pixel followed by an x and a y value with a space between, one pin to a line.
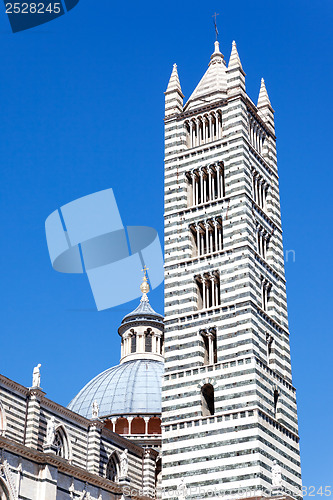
pixel 144 287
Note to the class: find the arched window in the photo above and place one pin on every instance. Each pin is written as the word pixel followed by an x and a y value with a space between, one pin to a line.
pixel 4 495
pixel 148 340
pixel 133 341
pixel 210 346
pixel 138 426
pixel 207 400
pixel 61 443
pixel 122 426
pixel 112 468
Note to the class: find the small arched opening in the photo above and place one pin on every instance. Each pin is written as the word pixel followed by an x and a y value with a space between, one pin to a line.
pixel 61 443
pixel 207 400
pixel 138 426
pixel 112 468
pixel 122 426
pixel 154 425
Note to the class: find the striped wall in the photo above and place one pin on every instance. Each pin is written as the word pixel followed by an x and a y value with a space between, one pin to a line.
pixel 255 416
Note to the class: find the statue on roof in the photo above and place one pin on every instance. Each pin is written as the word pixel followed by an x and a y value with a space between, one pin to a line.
pixel 94 410
pixel 36 376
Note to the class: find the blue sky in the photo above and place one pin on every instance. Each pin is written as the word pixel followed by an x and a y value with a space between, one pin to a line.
pixel 82 110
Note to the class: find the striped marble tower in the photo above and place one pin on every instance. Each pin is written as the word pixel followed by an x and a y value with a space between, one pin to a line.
pixel 229 406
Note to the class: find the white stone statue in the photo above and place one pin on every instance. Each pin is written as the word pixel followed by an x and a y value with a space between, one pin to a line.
pixel 50 431
pixel 181 489
pixel 276 475
pixel 124 464
pixel 36 376
pixel 95 409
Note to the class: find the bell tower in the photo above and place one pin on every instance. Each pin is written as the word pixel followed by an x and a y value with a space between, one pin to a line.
pixel 229 416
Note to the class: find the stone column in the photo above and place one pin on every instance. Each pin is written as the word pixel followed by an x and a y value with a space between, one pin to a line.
pixel 146 424
pixel 210 348
pixel 94 446
pixel 215 235
pixel 212 279
pixel 191 133
pixel 207 236
pixel 203 292
pixel 209 177
pixel 218 181
pixel 34 399
pixel 149 465
pixel 193 189
pixel 211 127
pixel 197 228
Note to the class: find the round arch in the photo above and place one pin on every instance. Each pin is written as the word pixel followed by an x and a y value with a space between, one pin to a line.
pixel 138 426
pixel 122 426
pixel 154 425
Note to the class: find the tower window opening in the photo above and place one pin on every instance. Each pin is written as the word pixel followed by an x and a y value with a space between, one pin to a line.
pixel 259 189
pixel 265 292
pixel 207 400
pixel 210 346
pixel 203 129
pixel 256 135
pixel 206 184
pixel 276 400
pixel 208 286
pixel 269 342
pixel 207 236
pixel 262 241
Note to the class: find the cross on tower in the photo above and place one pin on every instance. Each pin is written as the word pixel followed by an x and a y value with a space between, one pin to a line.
pixel 145 269
pixel 215 25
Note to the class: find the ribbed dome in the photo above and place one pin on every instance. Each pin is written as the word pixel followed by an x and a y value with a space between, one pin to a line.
pixel 132 387
pixel 144 311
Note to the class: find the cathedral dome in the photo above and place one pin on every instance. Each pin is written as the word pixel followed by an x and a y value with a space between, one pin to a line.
pixel 133 387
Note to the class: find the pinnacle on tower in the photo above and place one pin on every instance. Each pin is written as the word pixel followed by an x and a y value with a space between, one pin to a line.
pixel 173 95
pixel 234 61
pixel 236 75
pixel 264 106
pixel 263 99
pixel 174 83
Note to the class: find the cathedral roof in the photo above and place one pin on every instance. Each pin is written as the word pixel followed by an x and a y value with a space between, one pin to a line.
pixel 132 387
pixel 213 85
